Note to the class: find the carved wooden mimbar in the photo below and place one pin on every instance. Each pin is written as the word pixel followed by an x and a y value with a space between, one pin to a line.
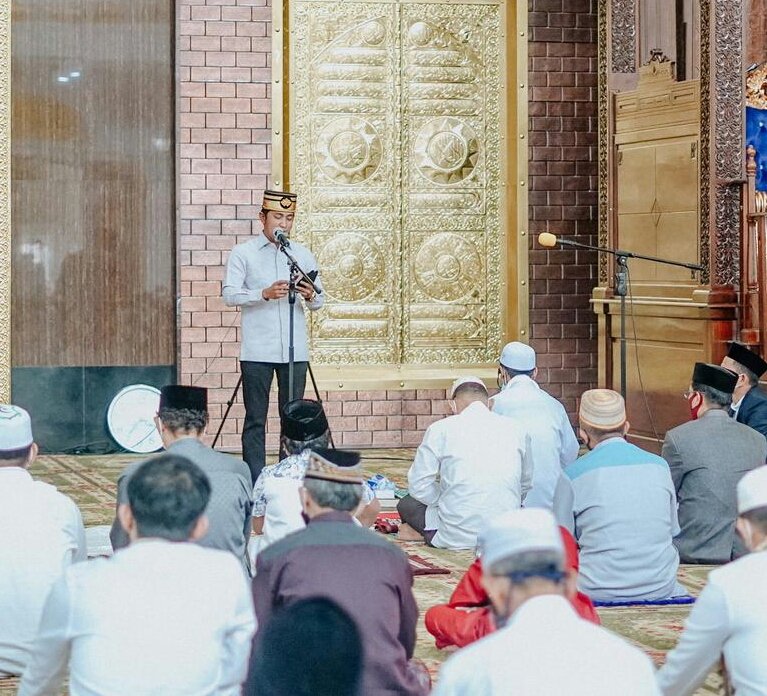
pixel 656 175
pixel 395 151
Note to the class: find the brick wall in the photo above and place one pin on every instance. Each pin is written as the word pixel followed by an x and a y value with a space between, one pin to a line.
pixel 223 65
pixel 563 191
pixel 223 58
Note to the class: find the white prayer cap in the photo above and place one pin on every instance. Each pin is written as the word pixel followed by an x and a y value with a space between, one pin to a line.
pixel 464 380
pixel 15 428
pixel 516 531
pixel 752 490
pixel 518 356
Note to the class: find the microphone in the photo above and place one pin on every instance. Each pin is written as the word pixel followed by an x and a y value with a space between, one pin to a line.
pixel 282 238
pixel 546 239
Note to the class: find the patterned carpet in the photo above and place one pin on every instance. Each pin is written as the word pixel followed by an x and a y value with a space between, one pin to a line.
pixel 90 481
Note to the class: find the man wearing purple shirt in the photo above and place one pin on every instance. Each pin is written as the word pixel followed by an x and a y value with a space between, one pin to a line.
pixel 366 575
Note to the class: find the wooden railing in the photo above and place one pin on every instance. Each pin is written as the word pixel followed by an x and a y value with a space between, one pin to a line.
pixel 753 261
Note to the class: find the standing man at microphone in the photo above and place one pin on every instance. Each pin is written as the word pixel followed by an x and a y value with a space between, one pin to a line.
pixel 257 280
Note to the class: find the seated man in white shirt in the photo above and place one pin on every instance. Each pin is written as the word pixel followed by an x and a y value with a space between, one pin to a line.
pixel 276 497
pixel 163 616
pixel 730 616
pixel 542 647
pixel 41 534
pixel 537 415
pixel 469 468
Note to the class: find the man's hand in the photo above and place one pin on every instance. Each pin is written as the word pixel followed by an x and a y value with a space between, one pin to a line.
pixel 306 290
pixel 276 291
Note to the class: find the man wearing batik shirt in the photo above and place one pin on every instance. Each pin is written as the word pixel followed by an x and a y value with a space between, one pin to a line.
pixel 361 571
pixel 276 500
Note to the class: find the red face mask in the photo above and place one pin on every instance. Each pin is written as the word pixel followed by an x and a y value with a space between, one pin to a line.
pixel 695 401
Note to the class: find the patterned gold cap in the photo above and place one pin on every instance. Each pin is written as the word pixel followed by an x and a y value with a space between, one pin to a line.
pixel 337 466
pixel 280 200
pixel 602 409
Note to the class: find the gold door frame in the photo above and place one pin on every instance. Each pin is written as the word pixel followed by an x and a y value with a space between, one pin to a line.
pixel 5 201
pixel 514 294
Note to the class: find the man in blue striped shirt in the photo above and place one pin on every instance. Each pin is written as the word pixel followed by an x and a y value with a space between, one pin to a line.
pixel 619 502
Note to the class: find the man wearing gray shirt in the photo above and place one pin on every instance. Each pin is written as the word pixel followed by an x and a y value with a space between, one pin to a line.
pixel 257 279
pixel 181 420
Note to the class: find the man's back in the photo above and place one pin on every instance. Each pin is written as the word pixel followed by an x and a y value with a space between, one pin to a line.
pixel 541 417
pixel 41 534
pixel 230 502
pixel 368 576
pixel 547 649
pixel 730 618
pixel 707 457
pixel 483 472
pixel 618 501
pixel 158 618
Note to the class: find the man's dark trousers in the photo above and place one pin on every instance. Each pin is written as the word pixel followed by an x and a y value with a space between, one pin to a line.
pixel 256 383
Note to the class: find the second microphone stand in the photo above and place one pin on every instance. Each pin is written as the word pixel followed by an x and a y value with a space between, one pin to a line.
pixel 622 286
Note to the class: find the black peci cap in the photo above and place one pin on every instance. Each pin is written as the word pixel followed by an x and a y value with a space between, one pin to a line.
pixel 303 419
pixel 715 377
pixel 178 396
pixel 750 360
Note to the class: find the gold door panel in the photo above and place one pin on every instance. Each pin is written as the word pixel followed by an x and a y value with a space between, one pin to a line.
pixel 395 152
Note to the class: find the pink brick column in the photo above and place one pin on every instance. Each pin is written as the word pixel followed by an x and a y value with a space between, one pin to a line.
pixel 223 54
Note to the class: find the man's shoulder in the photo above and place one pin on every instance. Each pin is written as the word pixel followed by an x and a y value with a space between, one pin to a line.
pixel 755 400
pixel 53 496
pixel 740 574
pixel 688 430
pixel 613 454
pixel 330 534
pixel 209 459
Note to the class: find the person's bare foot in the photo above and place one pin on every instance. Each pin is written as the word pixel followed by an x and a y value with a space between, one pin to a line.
pixel 407 533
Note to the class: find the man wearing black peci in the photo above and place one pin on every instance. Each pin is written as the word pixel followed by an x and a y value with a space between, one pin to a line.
pixel 749 402
pixel 257 280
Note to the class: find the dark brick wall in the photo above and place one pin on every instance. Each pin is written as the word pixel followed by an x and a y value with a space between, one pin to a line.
pixel 563 191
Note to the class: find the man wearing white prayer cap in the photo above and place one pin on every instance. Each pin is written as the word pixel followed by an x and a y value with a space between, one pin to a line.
pixel 620 504
pixel 470 467
pixel 542 646
pixel 41 533
pixel 537 415
pixel 730 616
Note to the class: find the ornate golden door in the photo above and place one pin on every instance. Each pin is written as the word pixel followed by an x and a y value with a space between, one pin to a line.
pixel 395 117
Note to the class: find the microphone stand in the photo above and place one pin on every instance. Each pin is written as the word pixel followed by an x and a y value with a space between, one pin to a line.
pixel 622 286
pixel 295 271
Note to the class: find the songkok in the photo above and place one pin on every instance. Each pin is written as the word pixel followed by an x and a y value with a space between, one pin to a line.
pixel 303 419
pixel 518 356
pixel 464 380
pixel 338 466
pixel 281 201
pixel 715 377
pixel 516 531
pixel 602 409
pixel 15 428
pixel 752 490
pixel 177 396
pixel 750 360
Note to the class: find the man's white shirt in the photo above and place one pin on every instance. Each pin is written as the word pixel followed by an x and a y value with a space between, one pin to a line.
pixel 41 534
pixel 729 617
pixel 547 649
pixel 156 618
pixel 541 417
pixel 469 468
pixel 252 267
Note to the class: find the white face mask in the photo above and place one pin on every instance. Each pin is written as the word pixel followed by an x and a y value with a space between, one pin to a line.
pixel 748 537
